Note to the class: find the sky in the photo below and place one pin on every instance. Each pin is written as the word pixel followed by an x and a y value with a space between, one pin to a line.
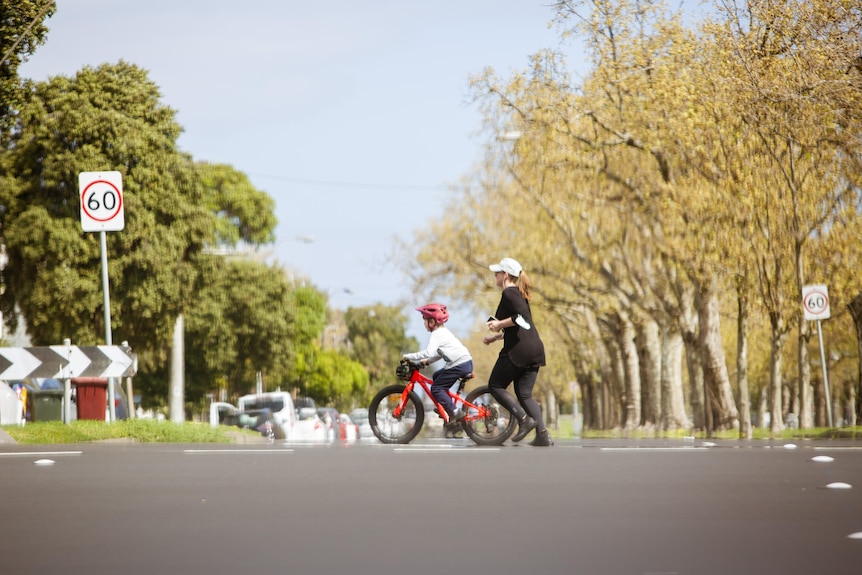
pixel 353 115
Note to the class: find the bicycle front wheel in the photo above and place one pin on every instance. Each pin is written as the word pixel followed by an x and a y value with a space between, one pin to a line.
pixel 488 423
pixel 394 417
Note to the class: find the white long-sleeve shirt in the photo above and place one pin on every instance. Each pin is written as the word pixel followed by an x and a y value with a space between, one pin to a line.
pixel 442 345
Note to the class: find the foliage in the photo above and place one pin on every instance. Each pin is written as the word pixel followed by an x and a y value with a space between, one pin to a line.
pixel 22 30
pixel 691 164
pixel 334 379
pixel 106 118
pixel 245 214
pixel 378 336
pixel 244 321
pixel 139 430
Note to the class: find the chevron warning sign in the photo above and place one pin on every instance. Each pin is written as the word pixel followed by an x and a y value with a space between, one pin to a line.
pixel 67 361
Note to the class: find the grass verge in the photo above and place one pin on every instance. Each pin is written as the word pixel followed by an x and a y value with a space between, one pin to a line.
pixel 138 430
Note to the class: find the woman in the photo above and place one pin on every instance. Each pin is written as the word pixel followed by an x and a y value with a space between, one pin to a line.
pixel 523 352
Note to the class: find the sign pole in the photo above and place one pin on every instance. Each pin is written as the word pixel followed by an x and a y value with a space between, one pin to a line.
pixel 815 307
pixel 825 377
pixel 107 302
pixel 101 211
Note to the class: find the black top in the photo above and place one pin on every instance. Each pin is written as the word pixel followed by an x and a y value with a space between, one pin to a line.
pixel 524 346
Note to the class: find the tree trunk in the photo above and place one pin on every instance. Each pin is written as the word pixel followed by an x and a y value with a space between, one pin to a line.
pixel 719 392
pixel 688 330
pixel 631 372
pixel 650 354
pixel 613 386
pixel 673 415
pixel 805 402
pixel 742 367
pixel 855 307
pixel 779 335
pixel 763 408
pixel 695 384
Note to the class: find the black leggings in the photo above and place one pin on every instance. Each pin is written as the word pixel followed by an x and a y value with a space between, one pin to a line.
pixel 504 373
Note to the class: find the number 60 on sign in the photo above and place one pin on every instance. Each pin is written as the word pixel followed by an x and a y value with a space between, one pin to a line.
pixel 815 302
pixel 101 201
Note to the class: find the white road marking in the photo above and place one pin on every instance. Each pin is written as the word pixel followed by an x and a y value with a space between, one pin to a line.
pixel 227 451
pixel 32 453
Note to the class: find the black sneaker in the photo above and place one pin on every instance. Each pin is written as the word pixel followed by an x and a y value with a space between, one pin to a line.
pixel 456 417
pixel 543 439
pixel 526 425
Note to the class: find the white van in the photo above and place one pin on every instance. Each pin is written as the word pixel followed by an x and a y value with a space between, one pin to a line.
pixel 281 405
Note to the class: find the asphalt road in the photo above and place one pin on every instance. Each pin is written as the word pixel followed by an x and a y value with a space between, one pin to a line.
pixel 599 507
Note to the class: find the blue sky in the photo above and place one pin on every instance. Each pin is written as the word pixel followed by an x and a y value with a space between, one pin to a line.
pixel 352 115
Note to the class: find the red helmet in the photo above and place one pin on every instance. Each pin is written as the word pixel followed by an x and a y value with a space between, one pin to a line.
pixel 436 311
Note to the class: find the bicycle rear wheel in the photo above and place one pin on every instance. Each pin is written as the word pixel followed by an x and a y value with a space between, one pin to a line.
pixel 389 427
pixel 491 423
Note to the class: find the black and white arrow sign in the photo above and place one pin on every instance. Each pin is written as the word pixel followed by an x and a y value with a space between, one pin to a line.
pixel 66 361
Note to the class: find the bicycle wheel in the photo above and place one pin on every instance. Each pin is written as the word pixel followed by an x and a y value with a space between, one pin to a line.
pixel 388 427
pixel 491 423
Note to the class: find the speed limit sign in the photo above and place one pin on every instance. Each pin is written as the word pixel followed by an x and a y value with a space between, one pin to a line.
pixel 101 201
pixel 815 302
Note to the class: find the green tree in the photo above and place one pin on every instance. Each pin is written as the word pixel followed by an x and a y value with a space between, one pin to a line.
pixel 335 379
pixel 378 337
pixel 245 214
pixel 22 30
pixel 105 118
pixel 244 321
pixel 110 118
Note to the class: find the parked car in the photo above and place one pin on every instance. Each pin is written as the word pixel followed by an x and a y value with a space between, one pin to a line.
pixel 260 420
pixel 219 410
pixel 309 427
pixel 305 403
pixel 360 418
pixel 348 431
pixel 279 402
pixel 331 422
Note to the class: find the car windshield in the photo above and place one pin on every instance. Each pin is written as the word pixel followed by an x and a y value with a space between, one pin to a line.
pixel 251 419
pixel 273 404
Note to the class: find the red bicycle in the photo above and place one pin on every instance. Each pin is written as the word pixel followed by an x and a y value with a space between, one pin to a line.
pixel 396 412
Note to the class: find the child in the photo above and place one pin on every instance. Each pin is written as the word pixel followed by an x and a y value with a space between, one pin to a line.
pixel 443 345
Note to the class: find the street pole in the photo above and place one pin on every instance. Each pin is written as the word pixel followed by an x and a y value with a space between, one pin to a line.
pixel 176 399
pixel 825 376
pixel 107 303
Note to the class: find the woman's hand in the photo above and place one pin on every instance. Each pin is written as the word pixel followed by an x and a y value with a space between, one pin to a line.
pixel 494 325
pixel 489 339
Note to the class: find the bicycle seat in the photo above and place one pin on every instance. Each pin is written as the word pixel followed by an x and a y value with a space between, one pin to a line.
pixel 468 377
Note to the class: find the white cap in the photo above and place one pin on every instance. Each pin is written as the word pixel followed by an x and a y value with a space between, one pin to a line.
pixel 508 265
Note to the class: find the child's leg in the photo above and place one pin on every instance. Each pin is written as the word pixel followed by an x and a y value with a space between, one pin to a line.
pixel 444 379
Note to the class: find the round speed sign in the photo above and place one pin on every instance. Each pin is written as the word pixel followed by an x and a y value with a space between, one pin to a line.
pixel 815 302
pixel 101 201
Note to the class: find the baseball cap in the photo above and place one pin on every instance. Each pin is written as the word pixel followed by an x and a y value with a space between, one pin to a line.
pixel 508 265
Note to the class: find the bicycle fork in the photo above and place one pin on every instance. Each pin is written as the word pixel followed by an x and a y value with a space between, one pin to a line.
pixel 408 389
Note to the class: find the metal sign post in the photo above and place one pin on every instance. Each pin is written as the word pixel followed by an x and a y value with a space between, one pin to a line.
pixel 815 305
pixel 101 211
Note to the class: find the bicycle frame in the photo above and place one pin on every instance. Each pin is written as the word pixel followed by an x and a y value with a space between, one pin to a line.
pixel 472 411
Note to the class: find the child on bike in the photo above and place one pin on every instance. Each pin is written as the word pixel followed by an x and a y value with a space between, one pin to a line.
pixel 443 345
